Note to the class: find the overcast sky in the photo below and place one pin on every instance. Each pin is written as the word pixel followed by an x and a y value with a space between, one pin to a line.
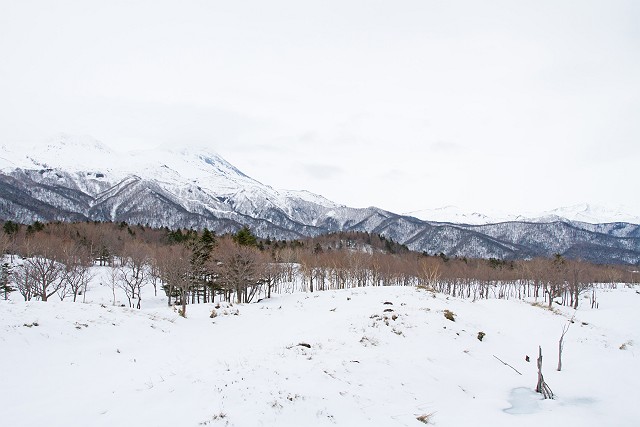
pixel 487 105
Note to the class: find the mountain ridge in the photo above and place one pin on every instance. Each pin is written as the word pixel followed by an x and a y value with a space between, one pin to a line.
pixel 583 212
pixel 72 180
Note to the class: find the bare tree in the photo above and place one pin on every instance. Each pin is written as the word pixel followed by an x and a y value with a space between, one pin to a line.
pixel 238 269
pixel 114 276
pixel 133 271
pixel 577 272
pixel 155 274
pixel 5 242
pixel 565 328
pixel 556 282
pixel 430 272
pixel 273 273
pixel 174 265
pixel 44 268
pixel 24 280
pixel 49 276
pixel 78 262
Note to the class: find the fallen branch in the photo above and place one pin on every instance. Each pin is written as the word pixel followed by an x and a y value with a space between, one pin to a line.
pixel 505 363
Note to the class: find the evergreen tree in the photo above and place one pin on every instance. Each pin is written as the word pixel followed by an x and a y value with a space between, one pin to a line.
pixel 201 249
pixel 35 227
pixel 5 275
pixel 208 239
pixel 244 237
pixel 10 227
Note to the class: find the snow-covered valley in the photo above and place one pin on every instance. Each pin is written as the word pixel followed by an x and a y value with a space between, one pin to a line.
pixel 375 356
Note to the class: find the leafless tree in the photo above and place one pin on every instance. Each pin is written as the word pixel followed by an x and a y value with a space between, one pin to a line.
pixel 430 271
pixel 155 273
pixel 175 269
pixel 133 271
pixel 5 242
pixel 23 278
pixel 238 269
pixel 565 329
pixel 557 279
pixel 114 277
pixel 273 274
pixel 48 276
pixel 43 266
pixel 78 262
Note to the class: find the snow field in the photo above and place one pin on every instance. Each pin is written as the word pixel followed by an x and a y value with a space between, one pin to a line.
pixel 369 356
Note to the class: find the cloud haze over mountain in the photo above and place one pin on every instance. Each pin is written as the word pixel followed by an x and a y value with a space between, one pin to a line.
pixel 405 105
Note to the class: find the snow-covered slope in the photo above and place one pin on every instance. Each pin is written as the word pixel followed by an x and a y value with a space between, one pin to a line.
pixel 382 356
pixel 195 181
pixel 587 213
pixel 171 167
pixel 456 215
pixel 592 214
pixel 79 179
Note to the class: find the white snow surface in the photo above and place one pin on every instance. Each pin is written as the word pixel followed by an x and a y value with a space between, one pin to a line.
pixel 165 165
pixel 186 173
pixel 180 169
pixel 584 212
pixel 95 364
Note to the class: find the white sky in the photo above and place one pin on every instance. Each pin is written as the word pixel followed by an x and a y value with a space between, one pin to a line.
pixel 498 105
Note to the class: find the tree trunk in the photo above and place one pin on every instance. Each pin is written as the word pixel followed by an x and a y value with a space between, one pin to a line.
pixel 184 303
pixel 542 386
pixel 560 344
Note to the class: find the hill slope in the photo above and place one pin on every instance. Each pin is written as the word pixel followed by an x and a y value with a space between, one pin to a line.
pixel 373 356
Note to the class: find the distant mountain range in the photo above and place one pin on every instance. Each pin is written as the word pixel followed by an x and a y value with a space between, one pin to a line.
pixel 80 179
pixel 582 213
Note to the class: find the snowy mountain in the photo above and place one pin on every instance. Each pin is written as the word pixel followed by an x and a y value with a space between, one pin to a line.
pixel 592 214
pixel 583 212
pixel 81 179
pixel 72 178
pixel 457 215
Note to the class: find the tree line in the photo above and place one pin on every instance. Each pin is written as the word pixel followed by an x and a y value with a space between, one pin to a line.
pixel 196 266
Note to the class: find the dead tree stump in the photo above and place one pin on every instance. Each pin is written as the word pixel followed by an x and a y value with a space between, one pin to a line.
pixel 542 386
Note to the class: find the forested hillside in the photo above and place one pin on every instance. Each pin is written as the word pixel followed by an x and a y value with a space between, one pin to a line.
pixel 187 266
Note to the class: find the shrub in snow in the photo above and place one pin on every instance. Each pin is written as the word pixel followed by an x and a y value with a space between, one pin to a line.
pixel 450 315
pixel 622 347
pixel 425 418
pixel 224 309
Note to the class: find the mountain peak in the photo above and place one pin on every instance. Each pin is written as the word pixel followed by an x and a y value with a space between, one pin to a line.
pixel 583 212
pixel 86 142
pixel 594 214
pixel 79 178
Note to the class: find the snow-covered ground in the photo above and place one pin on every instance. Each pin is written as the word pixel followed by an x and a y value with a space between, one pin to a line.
pixel 375 357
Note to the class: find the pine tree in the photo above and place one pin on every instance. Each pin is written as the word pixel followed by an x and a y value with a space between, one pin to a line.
pixel 11 227
pixel 208 239
pixel 244 237
pixel 200 254
pixel 5 284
